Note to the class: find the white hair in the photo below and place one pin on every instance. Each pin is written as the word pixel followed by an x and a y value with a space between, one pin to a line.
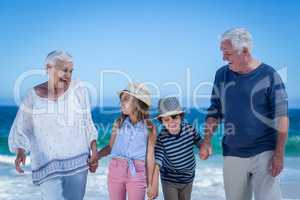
pixel 240 38
pixel 58 56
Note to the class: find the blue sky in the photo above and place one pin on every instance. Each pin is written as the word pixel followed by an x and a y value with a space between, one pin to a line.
pixel 151 41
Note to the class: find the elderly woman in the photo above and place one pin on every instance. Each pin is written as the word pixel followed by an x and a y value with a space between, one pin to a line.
pixel 54 125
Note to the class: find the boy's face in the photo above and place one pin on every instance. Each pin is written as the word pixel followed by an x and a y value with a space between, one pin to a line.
pixel 172 123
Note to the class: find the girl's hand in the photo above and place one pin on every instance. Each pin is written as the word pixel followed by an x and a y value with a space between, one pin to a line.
pixel 152 192
pixel 21 158
pixel 153 189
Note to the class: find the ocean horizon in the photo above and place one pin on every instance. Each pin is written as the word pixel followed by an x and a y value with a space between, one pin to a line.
pixel 104 117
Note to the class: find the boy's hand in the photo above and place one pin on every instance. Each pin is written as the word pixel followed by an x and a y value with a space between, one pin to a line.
pixel 93 162
pixel 205 150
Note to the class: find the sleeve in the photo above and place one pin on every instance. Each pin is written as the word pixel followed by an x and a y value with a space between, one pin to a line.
pixel 278 97
pixel 159 152
pixel 22 128
pixel 215 108
pixel 90 129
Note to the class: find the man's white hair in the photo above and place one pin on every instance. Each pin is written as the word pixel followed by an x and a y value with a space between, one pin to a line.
pixel 240 38
pixel 58 56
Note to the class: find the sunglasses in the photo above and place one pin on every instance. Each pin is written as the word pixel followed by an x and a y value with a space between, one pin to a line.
pixel 170 116
pixel 174 116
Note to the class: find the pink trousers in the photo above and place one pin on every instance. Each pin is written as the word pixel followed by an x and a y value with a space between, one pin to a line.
pixel 120 180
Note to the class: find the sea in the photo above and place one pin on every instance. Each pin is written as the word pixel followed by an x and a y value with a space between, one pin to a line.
pixel 208 184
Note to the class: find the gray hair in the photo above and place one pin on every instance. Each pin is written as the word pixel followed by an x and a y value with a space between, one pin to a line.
pixel 239 37
pixel 58 56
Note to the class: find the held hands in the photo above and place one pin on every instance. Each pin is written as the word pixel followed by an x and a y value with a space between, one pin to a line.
pixel 21 158
pixel 205 150
pixel 93 162
pixel 152 191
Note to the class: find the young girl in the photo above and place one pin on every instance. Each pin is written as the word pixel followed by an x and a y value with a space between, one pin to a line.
pixel 131 147
pixel 174 154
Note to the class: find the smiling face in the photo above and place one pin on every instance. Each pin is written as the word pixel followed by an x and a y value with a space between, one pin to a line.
pixel 172 123
pixel 60 75
pixel 236 61
pixel 126 101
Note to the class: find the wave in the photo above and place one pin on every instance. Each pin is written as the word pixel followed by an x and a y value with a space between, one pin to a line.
pixel 292 145
pixel 7 159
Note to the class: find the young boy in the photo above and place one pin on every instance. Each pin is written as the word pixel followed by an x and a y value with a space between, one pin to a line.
pixel 174 154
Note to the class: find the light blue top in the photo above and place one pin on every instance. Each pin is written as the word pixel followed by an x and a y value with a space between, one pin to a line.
pixel 131 143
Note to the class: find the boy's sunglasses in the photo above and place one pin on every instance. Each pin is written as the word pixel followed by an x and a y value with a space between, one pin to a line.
pixel 174 116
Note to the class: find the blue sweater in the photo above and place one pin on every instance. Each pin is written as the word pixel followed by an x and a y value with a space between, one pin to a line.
pixel 248 104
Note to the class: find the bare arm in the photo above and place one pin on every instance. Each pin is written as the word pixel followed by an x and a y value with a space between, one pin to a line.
pixel 105 151
pixel 153 193
pixel 94 147
pixel 150 152
pixel 151 176
pixel 211 125
pixel 278 158
pixel 282 126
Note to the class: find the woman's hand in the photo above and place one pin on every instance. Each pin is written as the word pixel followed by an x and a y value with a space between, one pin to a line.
pixel 21 158
pixel 93 162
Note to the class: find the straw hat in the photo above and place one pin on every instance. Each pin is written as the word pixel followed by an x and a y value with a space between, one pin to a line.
pixel 169 106
pixel 139 91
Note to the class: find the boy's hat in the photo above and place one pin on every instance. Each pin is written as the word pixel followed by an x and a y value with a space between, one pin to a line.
pixel 169 106
pixel 139 91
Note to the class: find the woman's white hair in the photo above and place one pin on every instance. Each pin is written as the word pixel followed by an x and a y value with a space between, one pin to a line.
pixel 58 56
pixel 240 38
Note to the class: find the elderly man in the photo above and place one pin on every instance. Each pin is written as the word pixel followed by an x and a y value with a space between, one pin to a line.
pixel 250 98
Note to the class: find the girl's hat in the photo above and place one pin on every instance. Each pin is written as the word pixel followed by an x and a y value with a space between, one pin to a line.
pixel 169 106
pixel 139 91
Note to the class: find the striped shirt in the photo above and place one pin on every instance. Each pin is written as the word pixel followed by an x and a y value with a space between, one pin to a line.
pixel 174 154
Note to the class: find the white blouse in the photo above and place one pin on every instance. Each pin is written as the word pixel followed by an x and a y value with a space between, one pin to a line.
pixel 56 133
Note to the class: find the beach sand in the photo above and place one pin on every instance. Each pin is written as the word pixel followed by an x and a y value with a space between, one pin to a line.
pixel 208 184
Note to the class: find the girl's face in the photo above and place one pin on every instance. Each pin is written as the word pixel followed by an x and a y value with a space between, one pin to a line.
pixel 172 123
pixel 126 101
pixel 60 75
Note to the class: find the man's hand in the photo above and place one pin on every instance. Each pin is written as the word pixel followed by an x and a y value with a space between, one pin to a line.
pixel 21 158
pixel 277 164
pixel 205 150
pixel 277 161
pixel 211 125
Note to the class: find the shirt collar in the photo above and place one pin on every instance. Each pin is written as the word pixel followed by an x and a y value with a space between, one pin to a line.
pixel 127 123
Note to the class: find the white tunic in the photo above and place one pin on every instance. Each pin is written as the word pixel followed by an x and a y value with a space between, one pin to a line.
pixel 57 134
